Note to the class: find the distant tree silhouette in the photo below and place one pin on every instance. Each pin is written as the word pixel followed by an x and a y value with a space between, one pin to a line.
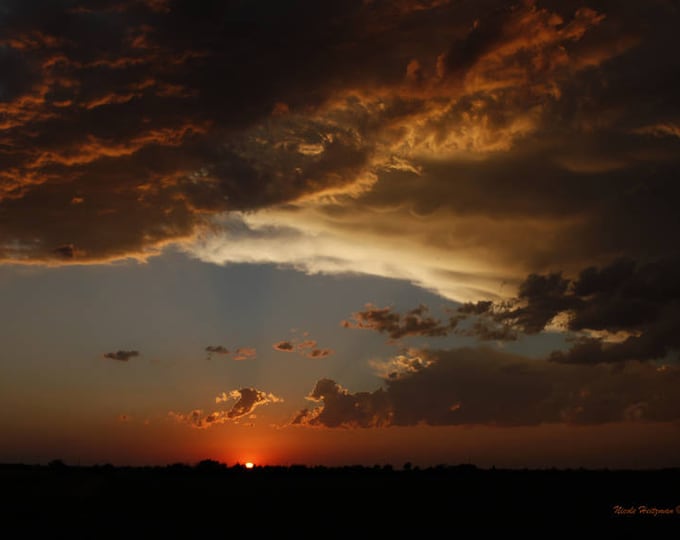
pixel 178 467
pixel 210 465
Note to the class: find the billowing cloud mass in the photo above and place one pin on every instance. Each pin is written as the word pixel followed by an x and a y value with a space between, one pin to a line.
pixel 619 312
pixel 423 141
pixel 247 399
pixel 489 387
pixel 122 356
pixel 622 311
pixel 505 144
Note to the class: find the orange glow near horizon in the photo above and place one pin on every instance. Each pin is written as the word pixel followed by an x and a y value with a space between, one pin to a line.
pixel 249 465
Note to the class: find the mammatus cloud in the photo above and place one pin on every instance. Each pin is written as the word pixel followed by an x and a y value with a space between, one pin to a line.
pixel 489 387
pixel 473 126
pixel 122 356
pixel 514 126
pixel 247 400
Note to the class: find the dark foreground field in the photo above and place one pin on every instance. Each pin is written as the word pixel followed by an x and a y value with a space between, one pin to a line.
pixel 212 500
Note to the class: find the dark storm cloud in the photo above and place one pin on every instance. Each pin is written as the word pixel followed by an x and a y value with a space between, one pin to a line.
pixel 544 297
pixel 488 387
pixel 618 312
pixel 485 330
pixel 133 109
pixel 122 356
pixel 126 125
pixel 415 322
pixel 342 408
pixel 623 311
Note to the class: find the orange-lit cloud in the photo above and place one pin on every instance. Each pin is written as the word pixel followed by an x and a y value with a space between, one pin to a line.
pixel 488 387
pixel 284 346
pixel 307 348
pixel 319 353
pixel 245 353
pixel 154 138
pixel 200 419
pixel 247 400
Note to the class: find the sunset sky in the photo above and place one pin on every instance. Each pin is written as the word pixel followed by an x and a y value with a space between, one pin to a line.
pixel 347 232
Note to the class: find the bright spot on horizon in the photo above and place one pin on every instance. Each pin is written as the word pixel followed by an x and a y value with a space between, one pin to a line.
pixel 249 465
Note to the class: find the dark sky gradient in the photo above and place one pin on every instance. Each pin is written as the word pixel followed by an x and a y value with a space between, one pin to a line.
pixel 311 231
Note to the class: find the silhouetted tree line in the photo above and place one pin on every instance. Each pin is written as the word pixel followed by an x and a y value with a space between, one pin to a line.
pixel 429 497
pixel 211 466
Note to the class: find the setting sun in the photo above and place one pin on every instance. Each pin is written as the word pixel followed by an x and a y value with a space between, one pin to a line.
pixel 249 465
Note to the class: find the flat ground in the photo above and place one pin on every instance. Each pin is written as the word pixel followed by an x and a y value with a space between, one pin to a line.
pixel 215 500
